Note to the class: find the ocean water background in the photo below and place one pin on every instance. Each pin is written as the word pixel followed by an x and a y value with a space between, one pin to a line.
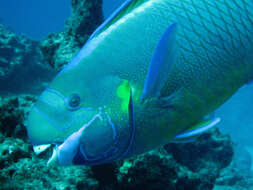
pixel 39 18
pixel 34 18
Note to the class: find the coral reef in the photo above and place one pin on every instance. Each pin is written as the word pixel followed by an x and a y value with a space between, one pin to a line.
pixel 59 48
pixel 19 57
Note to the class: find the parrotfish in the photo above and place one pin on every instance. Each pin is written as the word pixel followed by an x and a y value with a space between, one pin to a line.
pixel 153 73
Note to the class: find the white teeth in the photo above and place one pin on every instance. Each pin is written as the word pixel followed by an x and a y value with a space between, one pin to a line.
pixel 40 148
pixel 53 160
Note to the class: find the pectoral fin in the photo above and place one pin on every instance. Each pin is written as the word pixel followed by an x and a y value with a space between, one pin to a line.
pixel 161 63
pixel 197 130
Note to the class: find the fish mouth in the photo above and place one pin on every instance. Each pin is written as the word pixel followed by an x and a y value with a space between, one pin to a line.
pixel 98 143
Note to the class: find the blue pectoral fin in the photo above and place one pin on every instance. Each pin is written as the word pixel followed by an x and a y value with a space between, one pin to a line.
pixel 196 130
pixel 161 63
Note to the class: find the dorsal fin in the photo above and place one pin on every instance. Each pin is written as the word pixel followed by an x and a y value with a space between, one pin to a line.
pixel 124 9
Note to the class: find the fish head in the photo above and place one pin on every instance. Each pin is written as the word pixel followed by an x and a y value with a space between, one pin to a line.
pixel 71 102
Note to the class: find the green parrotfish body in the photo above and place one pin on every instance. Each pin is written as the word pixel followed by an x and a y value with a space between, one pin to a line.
pixel 152 73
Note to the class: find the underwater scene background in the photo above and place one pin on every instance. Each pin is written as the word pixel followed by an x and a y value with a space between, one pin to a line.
pixel 37 38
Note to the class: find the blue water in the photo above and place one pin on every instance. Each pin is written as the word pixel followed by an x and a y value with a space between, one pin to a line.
pixel 35 18
pixel 38 18
pixel 237 116
pixel 110 5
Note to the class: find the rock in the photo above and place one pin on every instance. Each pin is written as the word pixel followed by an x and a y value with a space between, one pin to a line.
pixel 13 112
pixel 21 67
pixel 59 48
pixel 106 175
pixel 179 166
pixel 213 150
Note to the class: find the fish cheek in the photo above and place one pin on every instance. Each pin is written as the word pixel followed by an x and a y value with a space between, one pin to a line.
pixel 97 139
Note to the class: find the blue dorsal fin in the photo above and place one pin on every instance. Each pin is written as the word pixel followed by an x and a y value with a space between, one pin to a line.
pixel 161 63
pixel 198 129
pixel 124 9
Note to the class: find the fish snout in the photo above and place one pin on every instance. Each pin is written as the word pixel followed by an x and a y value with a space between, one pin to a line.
pixel 48 118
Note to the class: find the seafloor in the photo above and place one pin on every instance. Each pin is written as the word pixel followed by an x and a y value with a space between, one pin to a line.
pixel 213 161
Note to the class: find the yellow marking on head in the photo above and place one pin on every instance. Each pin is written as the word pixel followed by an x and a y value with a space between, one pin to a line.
pixel 123 92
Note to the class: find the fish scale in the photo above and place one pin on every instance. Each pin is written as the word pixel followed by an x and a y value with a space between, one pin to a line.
pixel 216 17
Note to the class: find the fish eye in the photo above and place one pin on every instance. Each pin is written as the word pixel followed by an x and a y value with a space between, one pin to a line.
pixel 73 102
